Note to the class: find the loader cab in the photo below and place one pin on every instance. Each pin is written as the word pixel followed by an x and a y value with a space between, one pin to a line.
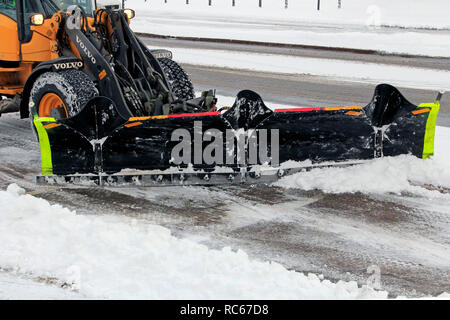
pixel 21 48
pixel 8 8
pixel 16 28
pixel 20 12
pixel 9 48
pixel 109 4
pixel 87 5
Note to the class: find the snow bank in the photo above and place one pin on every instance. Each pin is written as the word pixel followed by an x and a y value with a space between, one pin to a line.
pixel 109 257
pixel 397 174
pixel 339 69
pixel 356 25
pixel 14 288
pixel 402 13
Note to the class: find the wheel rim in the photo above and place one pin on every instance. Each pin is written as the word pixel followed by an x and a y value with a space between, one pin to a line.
pixel 52 102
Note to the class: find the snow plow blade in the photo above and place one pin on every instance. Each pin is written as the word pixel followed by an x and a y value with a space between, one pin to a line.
pixel 249 143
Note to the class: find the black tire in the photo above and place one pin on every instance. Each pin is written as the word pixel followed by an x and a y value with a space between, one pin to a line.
pixel 72 86
pixel 181 84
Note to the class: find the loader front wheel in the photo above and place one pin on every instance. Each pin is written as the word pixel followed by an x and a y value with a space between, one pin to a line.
pixel 52 105
pixel 61 94
pixel 182 87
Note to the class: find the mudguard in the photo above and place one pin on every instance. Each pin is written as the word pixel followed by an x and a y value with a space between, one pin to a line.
pixel 59 64
pixel 99 140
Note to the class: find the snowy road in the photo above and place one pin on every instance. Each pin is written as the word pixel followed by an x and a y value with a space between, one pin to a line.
pixel 396 60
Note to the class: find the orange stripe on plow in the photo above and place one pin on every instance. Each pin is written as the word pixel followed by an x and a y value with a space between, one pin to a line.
pixel 343 108
pixel 353 113
pixel 134 124
pixel 421 111
pixel 138 119
pixel 51 125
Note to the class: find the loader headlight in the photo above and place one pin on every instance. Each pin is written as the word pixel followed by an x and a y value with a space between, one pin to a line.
pixel 37 19
pixel 130 13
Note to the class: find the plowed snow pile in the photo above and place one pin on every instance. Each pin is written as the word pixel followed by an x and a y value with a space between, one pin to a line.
pixel 403 174
pixel 106 257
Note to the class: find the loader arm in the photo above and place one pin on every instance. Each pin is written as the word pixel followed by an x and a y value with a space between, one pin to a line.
pixel 116 61
pixel 94 56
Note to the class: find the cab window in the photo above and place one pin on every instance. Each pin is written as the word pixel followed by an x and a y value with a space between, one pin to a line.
pixel 8 8
pixel 46 7
pixel 30 8
pixel 50 8
pixel 85 4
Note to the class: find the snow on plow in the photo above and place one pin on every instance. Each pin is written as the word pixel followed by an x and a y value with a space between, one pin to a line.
pixel 249 143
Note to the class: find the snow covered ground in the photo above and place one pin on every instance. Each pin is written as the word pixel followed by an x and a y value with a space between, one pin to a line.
pixel 108 257
pixel 355 25
pixel 13 287
pixel 338 69
pixel 112 257
pixel 399 13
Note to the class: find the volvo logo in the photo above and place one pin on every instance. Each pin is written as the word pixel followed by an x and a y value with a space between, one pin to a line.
pixel 68 65
pixel 86 50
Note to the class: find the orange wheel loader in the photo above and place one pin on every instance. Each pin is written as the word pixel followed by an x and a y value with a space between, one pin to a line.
pixel 53 61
